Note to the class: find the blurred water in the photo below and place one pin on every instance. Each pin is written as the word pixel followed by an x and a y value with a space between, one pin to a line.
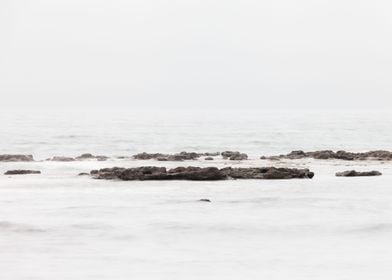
pixel 58 225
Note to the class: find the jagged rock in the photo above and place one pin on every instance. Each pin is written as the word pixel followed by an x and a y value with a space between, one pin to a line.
pixel 16 158
pixel 21 172
pixel 199 173
pixel 65 159
pixel 234 155
pixel 267 173
pixel 328 154
pixel 353 173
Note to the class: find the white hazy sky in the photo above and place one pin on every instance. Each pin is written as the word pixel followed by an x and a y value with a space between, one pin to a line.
pixel 225 54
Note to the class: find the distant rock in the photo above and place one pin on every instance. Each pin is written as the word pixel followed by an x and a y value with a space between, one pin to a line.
pixel 16 157
pixel 209 158
pixel 172 157
pixel 21 172
pixel 91 157
pixel 199 173
pixel 234 155
pixel 329 154
pixel 353 173
pixel 204 200
pixel 83 174
pixel 63 159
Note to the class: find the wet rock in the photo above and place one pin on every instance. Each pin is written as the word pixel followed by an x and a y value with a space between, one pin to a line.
pixel 353 173
pixel 209 158
pixel 83 174
pixel 234 155
pixel 267 173
pixel 204 200
pixel 169 157
pixel 21 172
pixel 199 173
pixel 16 157
pixel 329 154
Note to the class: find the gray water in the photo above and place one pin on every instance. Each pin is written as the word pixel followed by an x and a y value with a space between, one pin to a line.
pixel 58 225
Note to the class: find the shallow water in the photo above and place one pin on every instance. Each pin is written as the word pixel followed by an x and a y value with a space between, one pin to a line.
pixel 58 225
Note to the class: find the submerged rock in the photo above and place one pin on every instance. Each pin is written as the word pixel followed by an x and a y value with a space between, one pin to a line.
pixel 64 159
pixel 199 173
pixel 353 173
pixel 16 157
pixel 329 154
pixel 21 172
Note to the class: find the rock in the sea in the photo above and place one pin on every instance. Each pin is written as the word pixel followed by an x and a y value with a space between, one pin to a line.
pixel 204 200
pixel 234 155
pixel 83 174
pixel 267 173
pixel 65 159
pixel 21 172
pixel 353 173
pixel 16 158
pixel 328 154
pixel 91 157
pixel 209 158
pixel 199 173
pixel 171 157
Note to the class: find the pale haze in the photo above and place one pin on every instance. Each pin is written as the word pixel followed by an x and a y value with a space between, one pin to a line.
pixel 234 55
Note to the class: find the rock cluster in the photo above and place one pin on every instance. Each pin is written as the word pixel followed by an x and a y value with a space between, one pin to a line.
pixel 199 173
pixel 172 157
pixel 328 154
pixel 353 173
pixel 16 158
pixel 21 172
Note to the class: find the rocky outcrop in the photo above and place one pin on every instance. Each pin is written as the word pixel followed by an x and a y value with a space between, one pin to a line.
pixel 267 173
pixel 353 173
pixel 199 173
pixel 234 155
pixel 172 157
pixel 16 158
pixel 21 172
pixel 328 154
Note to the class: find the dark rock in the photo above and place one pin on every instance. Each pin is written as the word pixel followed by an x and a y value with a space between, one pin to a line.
pixel 16 158
pixel 83 174
pixel 353 173
pixel 209 158
pixel 267 173
pixel 169 157
pixel 234 155
pixel 21 172
pixel 342 155
pixel 199 173
pixel 204 200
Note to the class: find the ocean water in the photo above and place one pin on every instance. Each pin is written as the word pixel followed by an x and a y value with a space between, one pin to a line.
pixel 58 225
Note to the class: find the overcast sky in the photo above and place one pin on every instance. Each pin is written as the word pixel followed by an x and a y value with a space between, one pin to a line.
pixel 225 54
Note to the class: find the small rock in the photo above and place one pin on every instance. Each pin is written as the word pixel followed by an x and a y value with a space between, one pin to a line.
pixel 204 200
pixel 83 174
pixel 353 173
pixel 209 158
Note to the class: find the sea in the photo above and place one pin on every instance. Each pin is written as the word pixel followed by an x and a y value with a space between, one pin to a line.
pixel 58 225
